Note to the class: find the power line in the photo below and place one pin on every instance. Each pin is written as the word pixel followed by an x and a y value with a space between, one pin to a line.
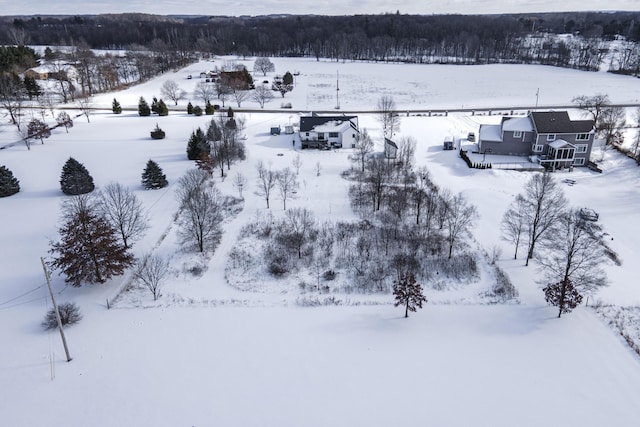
pixel 20 296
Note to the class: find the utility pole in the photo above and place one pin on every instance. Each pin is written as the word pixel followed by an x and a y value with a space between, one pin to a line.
pixel 337 90
pixel 55 309
pixel 537 94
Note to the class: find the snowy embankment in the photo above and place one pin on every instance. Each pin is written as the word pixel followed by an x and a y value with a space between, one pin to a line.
pixel 208 353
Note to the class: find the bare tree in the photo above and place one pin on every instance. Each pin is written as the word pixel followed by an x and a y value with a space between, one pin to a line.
pixel 635 148
pixel 459 219
pixel 576 253
pixel 200 211
pixel 239 94
pixel 287 185
pixel 223 90
pixel 266 181
pixel 262 95
pixel 513 223
pixel 299 224
pixel 85 106
pixel 406 155
pixel 297 163
pixel 124 212
pixel 387 116
pixel 610 124
pixel 364 147
pixel 264 65
pixel 592 105
pixel 205 91
pixel 375 181
pixel 240 183
pixel 152 272
pixel 544 203
pixel 171 90
pixel 12 97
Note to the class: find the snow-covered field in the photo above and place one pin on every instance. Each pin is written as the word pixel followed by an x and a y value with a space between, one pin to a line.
pixel 210 354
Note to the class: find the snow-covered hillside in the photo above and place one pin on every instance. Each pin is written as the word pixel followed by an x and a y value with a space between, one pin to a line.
pixel 207 353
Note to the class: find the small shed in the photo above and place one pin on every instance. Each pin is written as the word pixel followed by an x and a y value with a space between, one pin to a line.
pixel 275 130
pixel 288 129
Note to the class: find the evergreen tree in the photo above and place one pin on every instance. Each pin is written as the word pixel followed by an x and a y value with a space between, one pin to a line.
pixel 162 108
pixel 189 108
pixel 197 145
pixel 208 109
pixel 197 111
pixel 115 107
pixel 154 105
pixel 89 250
pixel 32 87
pixel 408 293
pixel 9 185
pixel 143 108
pixel 287 79
pixel 75 178
pixel 152 177
pixel 230 112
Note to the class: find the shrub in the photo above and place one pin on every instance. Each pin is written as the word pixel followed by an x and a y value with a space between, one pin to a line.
pixel 157 133
pixel 69 314
pixel 197 111
pixel 143 108
pixel 189 108
pixel 162 108
pixel 209 109
pixel 9 185
pixel 115 107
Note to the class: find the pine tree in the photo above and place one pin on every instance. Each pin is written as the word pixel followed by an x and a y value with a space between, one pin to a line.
pixel 197 145
pixel 189 108
pixel 152 177
pixel 115 107
pixel 89 250
pixel 32 87
pixel 162 108
pixel 208 109
pixel 154 105
pixel 9 185
pixel 408 293
pixel 75 178
pixel 143 108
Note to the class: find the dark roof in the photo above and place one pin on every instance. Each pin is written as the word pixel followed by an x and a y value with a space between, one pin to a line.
pixel 308 123
pixel 559 122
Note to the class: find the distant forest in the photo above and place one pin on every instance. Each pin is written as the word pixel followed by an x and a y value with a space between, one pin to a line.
pixel 466 39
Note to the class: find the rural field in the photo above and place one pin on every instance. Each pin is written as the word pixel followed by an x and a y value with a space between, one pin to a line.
pixel 219 349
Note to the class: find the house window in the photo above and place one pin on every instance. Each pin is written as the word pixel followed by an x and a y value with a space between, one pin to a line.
pixel 517 134
pixel 538 148
pixel 307 134
pixel 333 134
pixel 320 136
pixel 581 148
pixel 582 137
pixel 578 161
pixel 551 137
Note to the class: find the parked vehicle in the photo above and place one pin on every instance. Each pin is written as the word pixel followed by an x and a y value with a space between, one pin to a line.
pixel 589 214
pixel 448 143
pixel 471 137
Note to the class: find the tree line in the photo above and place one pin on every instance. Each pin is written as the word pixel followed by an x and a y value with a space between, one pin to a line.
pixel 414 38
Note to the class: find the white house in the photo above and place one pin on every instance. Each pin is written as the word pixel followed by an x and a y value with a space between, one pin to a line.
pixel 328 131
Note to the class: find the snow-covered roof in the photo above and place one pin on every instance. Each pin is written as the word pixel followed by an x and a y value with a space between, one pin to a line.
pixel 522 124
pixel 333 126
pixel 561 143
pixel 490 133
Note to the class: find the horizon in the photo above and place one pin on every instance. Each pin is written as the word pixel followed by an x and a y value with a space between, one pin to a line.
pixel 236 8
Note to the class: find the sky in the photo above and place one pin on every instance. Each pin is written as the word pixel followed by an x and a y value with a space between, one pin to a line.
pixel 320 7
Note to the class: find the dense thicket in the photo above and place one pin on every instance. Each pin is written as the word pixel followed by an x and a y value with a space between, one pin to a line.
pixel 351 37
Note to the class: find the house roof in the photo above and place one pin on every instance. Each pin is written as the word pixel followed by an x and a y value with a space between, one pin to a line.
pixel 559 122
pixel 333 126
pixel 561 143
pixel 522 124
pixel 310 122
pixel 490 133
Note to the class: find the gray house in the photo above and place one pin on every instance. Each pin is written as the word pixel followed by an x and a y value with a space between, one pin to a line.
pixel 328 131
pixel 550 138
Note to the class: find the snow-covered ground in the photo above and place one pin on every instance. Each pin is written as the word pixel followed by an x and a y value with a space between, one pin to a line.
pixel 210 354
